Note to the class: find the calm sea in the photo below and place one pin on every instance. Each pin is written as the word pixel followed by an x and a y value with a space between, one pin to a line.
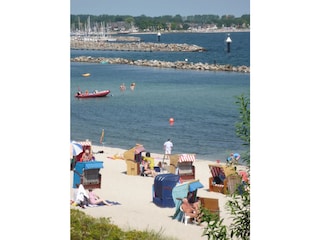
pixel 201 103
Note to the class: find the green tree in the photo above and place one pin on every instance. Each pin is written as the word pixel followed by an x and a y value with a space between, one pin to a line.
pixel 239 205
pixel 144 22
pixel 243 126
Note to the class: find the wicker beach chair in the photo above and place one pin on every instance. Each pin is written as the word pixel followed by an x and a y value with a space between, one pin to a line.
pixel 223 171
pixel 233 182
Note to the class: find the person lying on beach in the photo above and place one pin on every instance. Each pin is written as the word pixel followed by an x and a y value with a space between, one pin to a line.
pixel 95 199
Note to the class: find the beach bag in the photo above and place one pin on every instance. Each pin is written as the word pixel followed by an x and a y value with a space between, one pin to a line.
pixel 85 201
pixel 217 180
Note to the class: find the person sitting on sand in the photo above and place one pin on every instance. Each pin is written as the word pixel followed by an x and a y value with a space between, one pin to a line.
pixel 194 201
pixel 95 199
pixel 149 165
pixel 233 158
pixel 191 209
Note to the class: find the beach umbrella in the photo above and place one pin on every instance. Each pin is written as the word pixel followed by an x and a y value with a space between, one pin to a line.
pixel 75 149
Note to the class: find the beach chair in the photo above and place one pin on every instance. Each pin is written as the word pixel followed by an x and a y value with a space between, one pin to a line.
pixel 212 204
pixel 185 218
pixel 181 191
pixel 133 159
pixel 162 189
pixel 87 174
pixel 233 182
pixel 85 145
pixel 182 165
pixel 220 172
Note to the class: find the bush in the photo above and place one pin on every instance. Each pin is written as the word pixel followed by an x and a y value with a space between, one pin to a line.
pixel 214 229
pixel 84 227
pixel 239 205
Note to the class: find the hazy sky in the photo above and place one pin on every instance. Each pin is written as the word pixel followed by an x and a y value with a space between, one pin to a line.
pixel 155 8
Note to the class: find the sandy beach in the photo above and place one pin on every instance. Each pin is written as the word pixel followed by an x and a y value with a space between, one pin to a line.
pixel 134 193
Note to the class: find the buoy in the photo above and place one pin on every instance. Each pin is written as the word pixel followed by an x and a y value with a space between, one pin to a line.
pixel 228 41
pixel 159 35
pixel 171 120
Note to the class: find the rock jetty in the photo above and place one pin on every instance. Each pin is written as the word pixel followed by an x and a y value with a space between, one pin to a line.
pixel 163 64
pixel 134 46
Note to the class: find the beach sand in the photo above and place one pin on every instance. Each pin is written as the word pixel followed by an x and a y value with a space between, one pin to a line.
pixel 134 193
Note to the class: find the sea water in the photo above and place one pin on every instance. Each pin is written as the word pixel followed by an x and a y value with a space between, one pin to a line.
pixel 202 103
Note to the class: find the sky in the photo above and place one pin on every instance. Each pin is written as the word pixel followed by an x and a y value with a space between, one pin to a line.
pixel 153 8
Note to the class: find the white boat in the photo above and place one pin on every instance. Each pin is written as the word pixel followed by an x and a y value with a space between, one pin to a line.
pixel 109 37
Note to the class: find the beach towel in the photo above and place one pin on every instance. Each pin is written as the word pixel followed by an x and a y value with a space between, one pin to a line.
pixel 101 204
pixel 116 157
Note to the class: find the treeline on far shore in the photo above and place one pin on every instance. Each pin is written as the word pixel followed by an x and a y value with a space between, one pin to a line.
pixel 144 23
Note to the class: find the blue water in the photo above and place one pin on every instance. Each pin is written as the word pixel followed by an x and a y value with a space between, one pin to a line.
pixel 201 103
pixel 214 43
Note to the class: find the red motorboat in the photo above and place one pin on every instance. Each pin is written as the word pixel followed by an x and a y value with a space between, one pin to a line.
pixel 93 94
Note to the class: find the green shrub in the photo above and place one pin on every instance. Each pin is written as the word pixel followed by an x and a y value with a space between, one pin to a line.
pixel 214 229
pixel 239 204
pixel 84 227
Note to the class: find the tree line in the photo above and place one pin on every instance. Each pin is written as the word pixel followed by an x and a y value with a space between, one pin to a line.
pixel 165 22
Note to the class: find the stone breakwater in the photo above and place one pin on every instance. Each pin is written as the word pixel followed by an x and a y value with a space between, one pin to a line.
pixel 134 46
pixel 163 64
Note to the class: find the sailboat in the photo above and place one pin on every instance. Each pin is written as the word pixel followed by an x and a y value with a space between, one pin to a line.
pixel 109 38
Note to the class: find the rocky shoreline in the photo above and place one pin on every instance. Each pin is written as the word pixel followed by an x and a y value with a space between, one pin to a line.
pixel 163 64
pixel 134 46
